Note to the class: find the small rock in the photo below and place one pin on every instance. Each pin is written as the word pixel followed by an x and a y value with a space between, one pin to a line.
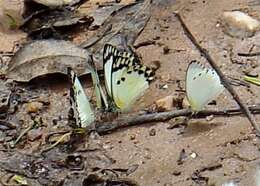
pixel 152 132
pixel 165 103
pixel 193 155
pixel 239 24
pixel 252 73
pixel 166 50
pixel 155 64
pixel 132 137
pixel 148 157
pixel 34 107
pixel 210 118
pixel 178 122
pixel 165 86
pixel 156 38
pixel 169 102
pixel 176 173
pixel 34 134
pixel 136 142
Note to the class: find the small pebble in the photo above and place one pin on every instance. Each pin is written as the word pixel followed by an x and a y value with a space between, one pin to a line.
pixel 132 137
pixel 193 155
pixel 165 103
pixel 210 118
pixel 34 134
pixel 152 132
pixel 176 173
pixel 166 50
pixel 239 24
pixel 33 107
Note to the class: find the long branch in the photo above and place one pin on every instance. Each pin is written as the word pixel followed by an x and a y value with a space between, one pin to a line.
pixel 106 127
pixel 224 80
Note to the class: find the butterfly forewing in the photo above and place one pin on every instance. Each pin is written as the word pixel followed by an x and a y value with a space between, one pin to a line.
pixel 202 85
pixel 109 54
pixel 108 57
pixel 82 111
pixel 129 81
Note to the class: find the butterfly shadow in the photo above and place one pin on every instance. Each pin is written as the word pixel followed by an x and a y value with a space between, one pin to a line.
pixel 195 128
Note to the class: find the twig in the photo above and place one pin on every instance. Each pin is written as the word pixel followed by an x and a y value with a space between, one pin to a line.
pixel 107 127
pixel 24 132
pixel 144 43
pixel 249 54
pixel 224 80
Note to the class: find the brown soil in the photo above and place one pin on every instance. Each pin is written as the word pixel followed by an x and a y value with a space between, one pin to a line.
pixel 226 147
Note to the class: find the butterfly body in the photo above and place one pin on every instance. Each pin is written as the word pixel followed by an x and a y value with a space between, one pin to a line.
pixel 202 85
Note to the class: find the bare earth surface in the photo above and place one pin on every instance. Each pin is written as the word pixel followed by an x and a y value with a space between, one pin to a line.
pixel 225 148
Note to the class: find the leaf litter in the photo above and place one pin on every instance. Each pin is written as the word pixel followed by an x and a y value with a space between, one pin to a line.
pixel 88 162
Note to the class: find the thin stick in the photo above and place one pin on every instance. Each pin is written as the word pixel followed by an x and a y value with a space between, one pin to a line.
pixel 163 116
pixel 249 54
pixel 224 80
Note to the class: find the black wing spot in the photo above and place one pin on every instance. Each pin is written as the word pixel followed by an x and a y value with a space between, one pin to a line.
pixel 140 71
pixel 118 82
pixel 123 78
pixel 129 72
pixel 194 78
pixel 199 74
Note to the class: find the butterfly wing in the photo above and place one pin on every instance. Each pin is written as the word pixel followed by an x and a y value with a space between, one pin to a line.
pixel 108 59
pixel 101 98
pixel 81 110
pixel 202 85
pixel 109 54
pixel 129 81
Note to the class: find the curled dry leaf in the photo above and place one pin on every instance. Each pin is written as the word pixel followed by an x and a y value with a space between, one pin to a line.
pixel 47 57
pixel 56 3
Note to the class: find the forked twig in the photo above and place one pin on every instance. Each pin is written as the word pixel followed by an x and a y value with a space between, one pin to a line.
pixel 163 116
pixel 224 80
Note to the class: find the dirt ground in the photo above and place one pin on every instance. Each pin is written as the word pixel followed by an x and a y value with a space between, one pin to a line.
pixel 226 147
pixel 225 141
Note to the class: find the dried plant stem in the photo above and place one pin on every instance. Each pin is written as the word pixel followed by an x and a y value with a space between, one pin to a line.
pixel 224 80
pixel 163 116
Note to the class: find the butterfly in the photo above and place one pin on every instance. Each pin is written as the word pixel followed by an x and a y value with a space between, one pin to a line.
pixel 81 112
pixel 202 85
pixel 126 78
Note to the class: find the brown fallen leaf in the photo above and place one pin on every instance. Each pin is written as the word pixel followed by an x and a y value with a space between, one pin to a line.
pixel 47 57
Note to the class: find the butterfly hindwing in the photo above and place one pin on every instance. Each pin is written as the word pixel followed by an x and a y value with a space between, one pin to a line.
pixel 202 85
pixel 82 112
pixel 129 81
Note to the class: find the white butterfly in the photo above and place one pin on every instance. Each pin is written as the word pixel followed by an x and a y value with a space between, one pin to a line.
pixel 81 112
pixel 202 85
pixel 126 78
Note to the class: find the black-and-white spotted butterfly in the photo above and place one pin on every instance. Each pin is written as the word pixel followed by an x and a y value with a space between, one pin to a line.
pixel 126 78
pixel 81 112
